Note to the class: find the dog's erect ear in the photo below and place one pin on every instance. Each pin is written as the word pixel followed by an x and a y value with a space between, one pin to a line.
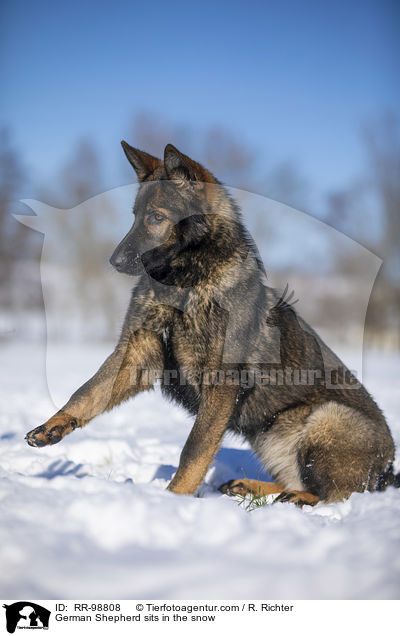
pixel 179 166
pixel 143 163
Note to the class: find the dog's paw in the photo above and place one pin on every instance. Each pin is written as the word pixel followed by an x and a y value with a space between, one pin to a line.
pixel 234 487
pixel 297 497
pixel 52 431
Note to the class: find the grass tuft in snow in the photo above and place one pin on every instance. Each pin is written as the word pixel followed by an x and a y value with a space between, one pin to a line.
pixel 251 501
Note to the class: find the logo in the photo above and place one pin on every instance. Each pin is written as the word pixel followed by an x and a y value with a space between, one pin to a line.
pixel 26 615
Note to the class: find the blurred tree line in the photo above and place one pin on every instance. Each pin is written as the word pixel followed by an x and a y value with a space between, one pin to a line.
pixel 16 241
pixel 366 210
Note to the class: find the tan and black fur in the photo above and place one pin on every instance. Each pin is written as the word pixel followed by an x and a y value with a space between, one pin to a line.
pixel 201 305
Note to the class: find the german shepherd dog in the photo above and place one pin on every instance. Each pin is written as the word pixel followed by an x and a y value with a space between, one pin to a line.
pixel 229 349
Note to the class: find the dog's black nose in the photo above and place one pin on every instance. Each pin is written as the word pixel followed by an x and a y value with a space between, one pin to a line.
pixel 118 261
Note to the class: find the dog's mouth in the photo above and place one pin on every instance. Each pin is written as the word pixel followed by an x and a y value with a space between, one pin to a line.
pixel 134 266
pixel 154 261
pixel 127 265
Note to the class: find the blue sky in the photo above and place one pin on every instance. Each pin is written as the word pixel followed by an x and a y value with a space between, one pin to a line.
pixel 297 79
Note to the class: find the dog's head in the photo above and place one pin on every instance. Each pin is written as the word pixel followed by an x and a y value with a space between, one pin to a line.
pixel 171 208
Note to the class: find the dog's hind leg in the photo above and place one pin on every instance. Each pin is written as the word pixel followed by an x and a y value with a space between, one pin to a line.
pixel 341 451
pixel 327 451
pixel 261 489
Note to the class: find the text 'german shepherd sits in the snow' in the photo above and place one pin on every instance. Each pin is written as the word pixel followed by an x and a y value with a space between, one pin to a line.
pixel 228 348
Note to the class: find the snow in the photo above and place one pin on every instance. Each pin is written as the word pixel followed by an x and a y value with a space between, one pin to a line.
pixel 90 517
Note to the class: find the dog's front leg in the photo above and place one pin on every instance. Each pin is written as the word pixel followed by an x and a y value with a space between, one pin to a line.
pixel 120 377
pixel 216 408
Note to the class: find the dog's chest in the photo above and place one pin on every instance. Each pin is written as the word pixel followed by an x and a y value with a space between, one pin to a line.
pixel 188 340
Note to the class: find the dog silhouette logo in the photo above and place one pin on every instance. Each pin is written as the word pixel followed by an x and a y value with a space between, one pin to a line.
pixel 26 615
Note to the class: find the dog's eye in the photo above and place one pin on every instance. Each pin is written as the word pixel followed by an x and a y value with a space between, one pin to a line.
pixel 154 218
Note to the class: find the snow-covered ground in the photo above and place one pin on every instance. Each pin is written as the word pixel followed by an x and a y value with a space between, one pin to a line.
pixel 90 517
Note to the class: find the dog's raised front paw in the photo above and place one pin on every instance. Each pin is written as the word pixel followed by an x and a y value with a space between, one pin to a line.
pixel 52 431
